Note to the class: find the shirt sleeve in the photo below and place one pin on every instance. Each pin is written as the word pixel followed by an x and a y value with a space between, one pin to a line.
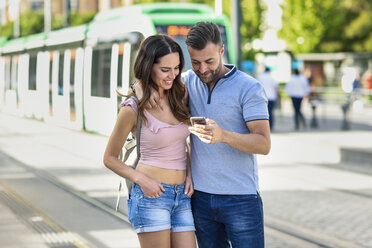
pixel 255 104
pixel 186 77
pixel 130 102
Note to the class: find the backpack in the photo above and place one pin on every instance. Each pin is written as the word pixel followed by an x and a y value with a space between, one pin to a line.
pixel 128 156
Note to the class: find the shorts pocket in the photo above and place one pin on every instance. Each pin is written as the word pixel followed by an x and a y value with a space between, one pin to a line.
pixel 130 210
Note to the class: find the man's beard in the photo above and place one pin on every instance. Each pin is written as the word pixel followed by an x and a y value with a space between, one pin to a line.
pixel 214 75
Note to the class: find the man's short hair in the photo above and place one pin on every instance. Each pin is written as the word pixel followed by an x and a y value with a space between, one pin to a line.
pixel 202 33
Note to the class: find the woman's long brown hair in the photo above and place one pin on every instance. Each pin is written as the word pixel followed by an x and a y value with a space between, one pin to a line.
pixel 151 50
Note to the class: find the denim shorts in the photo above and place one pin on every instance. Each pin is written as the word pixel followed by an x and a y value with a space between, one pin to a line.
pixel 171 210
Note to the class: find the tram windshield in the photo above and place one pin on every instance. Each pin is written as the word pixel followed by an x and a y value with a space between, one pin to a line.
pixel 179 33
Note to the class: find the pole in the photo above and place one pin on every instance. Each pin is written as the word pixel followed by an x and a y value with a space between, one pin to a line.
pixel 47 16
pixel 67 11
pixel 218 7
pixel 236 21
pixel 16 29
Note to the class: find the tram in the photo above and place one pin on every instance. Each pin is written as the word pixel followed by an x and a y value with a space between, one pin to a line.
pixel 68 77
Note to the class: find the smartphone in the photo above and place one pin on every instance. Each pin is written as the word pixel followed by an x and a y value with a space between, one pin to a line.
pixel 198 120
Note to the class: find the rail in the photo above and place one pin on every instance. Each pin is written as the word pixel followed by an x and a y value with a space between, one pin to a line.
pixel 323 96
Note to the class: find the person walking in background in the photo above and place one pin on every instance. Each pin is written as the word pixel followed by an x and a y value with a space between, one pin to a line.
pixel 159 205
pixel 297 88
pixel 272 92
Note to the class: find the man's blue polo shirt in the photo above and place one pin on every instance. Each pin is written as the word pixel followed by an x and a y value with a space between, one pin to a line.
pixel 235 99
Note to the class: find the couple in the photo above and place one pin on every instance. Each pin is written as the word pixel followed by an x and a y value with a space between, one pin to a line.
pixel 222 189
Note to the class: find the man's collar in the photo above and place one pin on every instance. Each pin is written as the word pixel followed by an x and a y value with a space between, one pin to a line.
pixel 231 71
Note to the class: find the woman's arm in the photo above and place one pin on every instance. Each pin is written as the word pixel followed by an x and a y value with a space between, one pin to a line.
pixel 126 121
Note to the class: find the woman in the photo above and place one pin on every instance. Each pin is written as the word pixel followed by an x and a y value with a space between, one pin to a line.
pixel 159 204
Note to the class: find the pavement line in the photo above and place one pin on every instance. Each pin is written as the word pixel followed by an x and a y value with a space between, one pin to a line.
pixel 313 236
pixel 80 195
pixel 51 232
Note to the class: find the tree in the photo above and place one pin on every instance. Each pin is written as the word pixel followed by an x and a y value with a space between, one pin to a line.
pixel 31 22
pixel 358 31
pixel 251 29
pixel 323 26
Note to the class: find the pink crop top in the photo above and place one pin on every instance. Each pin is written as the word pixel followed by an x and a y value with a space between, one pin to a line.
pixel 162 145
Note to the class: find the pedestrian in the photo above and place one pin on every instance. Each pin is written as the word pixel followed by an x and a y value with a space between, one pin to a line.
pixel 297 88
pixel 271 87
pixel 159 205
pixel 226 203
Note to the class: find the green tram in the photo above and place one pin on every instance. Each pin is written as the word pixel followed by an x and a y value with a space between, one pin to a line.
pixel 68 77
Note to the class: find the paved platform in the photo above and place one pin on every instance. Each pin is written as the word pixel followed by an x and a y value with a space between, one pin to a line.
pixel 303 182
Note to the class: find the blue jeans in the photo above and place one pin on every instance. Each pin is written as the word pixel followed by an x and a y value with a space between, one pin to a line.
pixel 221 220
pixel 171 210
pixel 297 101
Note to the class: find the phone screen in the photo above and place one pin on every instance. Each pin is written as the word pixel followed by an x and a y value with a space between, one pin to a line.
pixel 198 120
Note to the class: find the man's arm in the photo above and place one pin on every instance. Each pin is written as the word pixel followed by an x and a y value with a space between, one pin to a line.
pixel 257 141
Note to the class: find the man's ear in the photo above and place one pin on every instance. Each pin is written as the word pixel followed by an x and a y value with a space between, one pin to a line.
pixel 222 50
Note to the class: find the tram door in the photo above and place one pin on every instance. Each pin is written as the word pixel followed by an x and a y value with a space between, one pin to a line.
pixel 39 73
pixel 9 91
pixel 66 88
pixel 30 85
pixel 76 88
pixel 106 69
pixel 60 89
pixel 2 83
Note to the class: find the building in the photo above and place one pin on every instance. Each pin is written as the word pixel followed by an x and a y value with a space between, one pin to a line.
pixel 10 9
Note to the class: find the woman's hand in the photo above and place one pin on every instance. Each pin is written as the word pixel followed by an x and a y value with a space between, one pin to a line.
pixel 150 187
pixel 189 186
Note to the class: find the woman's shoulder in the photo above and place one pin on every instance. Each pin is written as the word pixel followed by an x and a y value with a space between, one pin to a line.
pixel 130 102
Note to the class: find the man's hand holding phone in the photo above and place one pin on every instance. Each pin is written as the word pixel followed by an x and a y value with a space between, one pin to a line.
pixel 198 120
pixel 207 130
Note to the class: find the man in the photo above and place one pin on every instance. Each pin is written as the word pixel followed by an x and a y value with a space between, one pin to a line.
pixel 272 92
pixel 226 204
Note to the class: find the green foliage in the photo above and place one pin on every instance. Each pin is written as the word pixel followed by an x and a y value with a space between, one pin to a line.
pixel 327 25
pixel 252 11
pixel 252 17
pixel 78 19
pixel 300 21
pixel 31 22
pixel 58 21
pixel 7 29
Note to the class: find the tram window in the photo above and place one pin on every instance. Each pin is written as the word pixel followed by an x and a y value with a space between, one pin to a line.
pixel 100 80
pixel 8 71
pixel 179 33
pixel 50 68
pixel 50 83
pixel 14 73
pixel 72 87
pixel 120 71
pixel 32 73
pixel 60 73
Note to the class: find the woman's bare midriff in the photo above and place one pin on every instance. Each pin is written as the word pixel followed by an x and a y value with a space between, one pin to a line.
pixel 167 176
